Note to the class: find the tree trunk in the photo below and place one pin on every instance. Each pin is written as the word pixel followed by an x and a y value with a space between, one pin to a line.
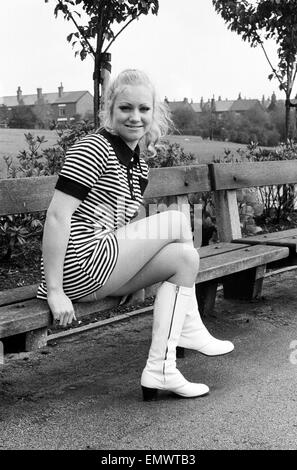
pixel 96 78
pixel 105 75
pixel 288 117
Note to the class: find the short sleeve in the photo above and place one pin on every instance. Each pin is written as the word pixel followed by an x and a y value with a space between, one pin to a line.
pixel 86 160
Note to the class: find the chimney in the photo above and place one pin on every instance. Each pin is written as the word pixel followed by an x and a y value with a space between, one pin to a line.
pixel 39 94
pixel 185 100
pixel 19 95
pixel 166 100
pixel 60 90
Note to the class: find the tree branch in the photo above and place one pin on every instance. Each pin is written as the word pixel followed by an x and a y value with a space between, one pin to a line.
pixel 78 28
pixel 272 68
pixel 121 30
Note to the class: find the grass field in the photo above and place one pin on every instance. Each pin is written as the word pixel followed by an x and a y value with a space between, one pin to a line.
pixel 13 141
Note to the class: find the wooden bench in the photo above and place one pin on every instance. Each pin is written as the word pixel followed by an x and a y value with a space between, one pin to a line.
pixel 23 315
pixel 228 178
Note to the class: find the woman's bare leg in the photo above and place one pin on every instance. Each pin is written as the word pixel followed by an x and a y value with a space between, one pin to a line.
pixel 143 259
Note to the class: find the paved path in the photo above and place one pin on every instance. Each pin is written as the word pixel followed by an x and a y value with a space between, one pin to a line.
pixel 84 391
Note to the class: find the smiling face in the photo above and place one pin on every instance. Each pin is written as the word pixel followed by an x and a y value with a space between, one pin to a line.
pixel 132 113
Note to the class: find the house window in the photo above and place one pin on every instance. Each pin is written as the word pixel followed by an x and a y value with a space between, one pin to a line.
pixel 62 112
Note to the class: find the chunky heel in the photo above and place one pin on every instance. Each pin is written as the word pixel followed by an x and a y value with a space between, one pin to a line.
pixel 180 352
pixel 149 394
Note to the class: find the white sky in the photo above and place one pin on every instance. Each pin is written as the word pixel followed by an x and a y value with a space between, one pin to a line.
pixel 187 50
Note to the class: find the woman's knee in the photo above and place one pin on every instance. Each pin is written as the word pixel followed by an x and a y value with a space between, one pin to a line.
pixel 186 258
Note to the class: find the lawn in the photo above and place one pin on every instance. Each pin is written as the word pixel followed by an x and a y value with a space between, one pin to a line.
pixel 204 150
pixel 12 141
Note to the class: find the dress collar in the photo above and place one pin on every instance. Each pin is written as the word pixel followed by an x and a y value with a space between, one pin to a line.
pixel 123 152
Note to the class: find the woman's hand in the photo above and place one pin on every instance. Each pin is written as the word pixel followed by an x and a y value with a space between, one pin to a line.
pixel 61 307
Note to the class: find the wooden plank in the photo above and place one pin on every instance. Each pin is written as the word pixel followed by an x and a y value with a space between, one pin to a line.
pixel 177 180
pixel 34 314
pixel 206 296
pixel 245 284
pixel 283 238
pixel 227 263
pixel 197 221
pixel 291 233
pixel 36 339
pixel 18 294
pixel 22 195
pixel 227 216
pixel 252 174
pixel 219 248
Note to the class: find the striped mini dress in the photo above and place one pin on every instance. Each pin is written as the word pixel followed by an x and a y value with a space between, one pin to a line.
pixel 109 178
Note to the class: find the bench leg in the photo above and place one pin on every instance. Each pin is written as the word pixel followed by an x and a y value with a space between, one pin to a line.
pixel 36 339
pixel 245 285
pixel 206 296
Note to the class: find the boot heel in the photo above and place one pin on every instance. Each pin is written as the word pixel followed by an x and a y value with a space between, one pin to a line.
pixel 149 394
pixel 180 352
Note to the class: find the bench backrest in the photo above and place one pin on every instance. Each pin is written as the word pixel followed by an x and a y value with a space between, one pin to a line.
pixel 23 195
pixel 227 178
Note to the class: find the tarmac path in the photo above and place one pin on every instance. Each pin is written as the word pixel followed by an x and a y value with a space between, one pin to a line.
pixel 83 392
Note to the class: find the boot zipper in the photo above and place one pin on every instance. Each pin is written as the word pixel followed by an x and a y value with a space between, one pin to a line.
pixel 166 352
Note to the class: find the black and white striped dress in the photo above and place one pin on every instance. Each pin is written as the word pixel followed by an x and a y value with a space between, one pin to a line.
pixel 109 178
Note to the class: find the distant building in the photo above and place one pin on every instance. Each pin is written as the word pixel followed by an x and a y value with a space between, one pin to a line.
pixel 219 106
pixel 179 105
pixel 65 105
pixel 238 106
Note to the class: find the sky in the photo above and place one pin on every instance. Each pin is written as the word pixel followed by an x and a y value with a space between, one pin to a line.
pixel 186 49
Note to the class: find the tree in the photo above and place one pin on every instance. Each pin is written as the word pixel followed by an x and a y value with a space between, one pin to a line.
pixel 22 117
pixel 185 121
pixel 102 14
pixel 44 115
pixel 4 115
pixel 274 19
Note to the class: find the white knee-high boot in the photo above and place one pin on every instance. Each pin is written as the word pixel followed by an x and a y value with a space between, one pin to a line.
pixel 160 372
pixel 195 335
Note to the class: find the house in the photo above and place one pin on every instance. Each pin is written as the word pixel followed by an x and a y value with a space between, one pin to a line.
pixel 219 107
pixel 179 105
pixel 64 105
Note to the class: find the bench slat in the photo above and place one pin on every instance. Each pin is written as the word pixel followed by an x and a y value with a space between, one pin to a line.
pixel 239 260
pixel 18 294
pixel 284 238
pixel 219 248
pixel 22 195
pixel 245 175
pixel 34 314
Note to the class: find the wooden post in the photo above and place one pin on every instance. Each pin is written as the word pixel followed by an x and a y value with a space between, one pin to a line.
pixel 227 217
pixel 206 296
pixel 36 339
pixel 245 285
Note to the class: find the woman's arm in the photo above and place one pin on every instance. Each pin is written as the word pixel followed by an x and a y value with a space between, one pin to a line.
pixel 54 245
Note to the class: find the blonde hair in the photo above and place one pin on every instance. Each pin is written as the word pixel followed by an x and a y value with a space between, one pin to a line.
pixel 161 122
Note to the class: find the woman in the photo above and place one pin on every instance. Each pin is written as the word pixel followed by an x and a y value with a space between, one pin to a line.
pixel 90 250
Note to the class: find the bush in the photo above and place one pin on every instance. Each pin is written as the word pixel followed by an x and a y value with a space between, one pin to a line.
pixel 16 230
pixel 169 155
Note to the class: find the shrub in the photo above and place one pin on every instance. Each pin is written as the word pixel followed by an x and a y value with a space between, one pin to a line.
pixel 16 230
